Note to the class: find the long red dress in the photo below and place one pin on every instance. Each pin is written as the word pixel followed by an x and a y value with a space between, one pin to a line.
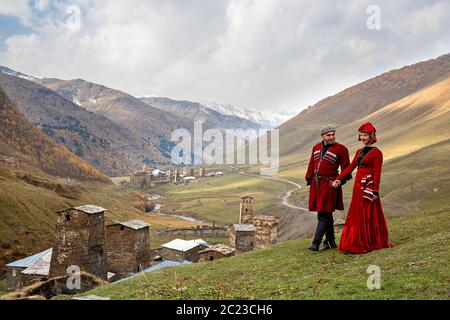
pixel 365 228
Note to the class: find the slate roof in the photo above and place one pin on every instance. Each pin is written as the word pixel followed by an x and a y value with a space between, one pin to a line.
pixel 221 248
pixel 244 227
pixel 133 224
pixel 184 245
pixel 29 261
pixel 89 209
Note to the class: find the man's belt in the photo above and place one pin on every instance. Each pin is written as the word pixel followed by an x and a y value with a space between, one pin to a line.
pixel 324 177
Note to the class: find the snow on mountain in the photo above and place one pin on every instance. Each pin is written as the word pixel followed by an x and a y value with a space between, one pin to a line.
pixel 265 119
pixel 11 72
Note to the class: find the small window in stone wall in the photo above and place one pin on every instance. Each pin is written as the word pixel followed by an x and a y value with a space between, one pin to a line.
pixel 67 217
pixel 122 227
pixel 211 258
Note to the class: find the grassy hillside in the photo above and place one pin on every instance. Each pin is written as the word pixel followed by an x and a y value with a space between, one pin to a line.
pixel 21 140
pixel 417 268
pixel 217 199
pixel 361 100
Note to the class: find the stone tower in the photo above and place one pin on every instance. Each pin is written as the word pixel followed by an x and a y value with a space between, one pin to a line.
pixel 148 180
pixel 127 247
pixel 266 231
pixel 201 172
pixel 242 237
pixel 80 241
pixel 176 177
pixel 246 210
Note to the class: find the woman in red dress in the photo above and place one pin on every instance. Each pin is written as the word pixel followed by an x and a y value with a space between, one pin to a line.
pixel 365 228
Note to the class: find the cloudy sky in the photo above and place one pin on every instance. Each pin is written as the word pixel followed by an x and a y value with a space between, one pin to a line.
pixel 266 54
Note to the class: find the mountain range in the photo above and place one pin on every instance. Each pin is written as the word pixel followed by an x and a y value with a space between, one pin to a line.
pixel 198 111
pixel 265 119
pixel 110 129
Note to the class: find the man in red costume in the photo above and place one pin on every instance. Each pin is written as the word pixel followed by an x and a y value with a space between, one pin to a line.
pixel 326 158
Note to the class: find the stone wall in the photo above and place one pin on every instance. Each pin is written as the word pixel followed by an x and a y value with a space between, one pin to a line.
pixel 242 241
pixel 218 232
pixel 266 231
pixel 176 255
pixel 15 279
pixel 211 256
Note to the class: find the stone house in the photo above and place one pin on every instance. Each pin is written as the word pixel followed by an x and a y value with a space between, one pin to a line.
pixel 242 237
pixel 25 271
pixel 80 241
pixel 127 247
pixel 179 250
pixel 216 252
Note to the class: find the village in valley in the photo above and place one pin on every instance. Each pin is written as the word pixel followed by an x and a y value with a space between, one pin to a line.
pixel 99 252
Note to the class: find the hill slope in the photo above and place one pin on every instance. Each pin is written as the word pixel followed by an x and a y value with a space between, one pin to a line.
pixel 417 268
pixel 404 126
pixel 104 144
pixel 21 140
pixel 361 100
pixel 150 124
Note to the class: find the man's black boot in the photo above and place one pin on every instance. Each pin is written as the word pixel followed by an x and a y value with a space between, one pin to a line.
pixel 314 246
pixel 329 242
pixel 320 231
pixel 327 245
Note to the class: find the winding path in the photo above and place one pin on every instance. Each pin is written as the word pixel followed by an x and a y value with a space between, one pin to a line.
pixel 287 195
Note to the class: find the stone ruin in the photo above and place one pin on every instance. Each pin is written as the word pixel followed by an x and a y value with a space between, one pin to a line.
pixel 253 232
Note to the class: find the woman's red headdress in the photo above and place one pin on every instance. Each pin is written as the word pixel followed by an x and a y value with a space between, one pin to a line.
pixel 369 129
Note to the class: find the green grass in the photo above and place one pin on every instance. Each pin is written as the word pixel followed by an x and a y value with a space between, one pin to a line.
pixel 2 287
pixel 217 199
pixel 417 268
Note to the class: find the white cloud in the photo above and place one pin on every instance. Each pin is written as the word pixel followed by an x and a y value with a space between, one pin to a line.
pixel 17 8
pixel 268 54
pixel 41 5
